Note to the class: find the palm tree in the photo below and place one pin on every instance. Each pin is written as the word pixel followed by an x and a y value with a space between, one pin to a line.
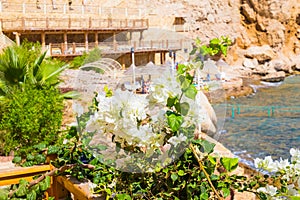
pixel 20 65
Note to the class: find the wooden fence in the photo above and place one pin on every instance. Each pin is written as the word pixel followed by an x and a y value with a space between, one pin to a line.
pixel 68 23
pixel 30 8
pixel 61 186
pixel 57 49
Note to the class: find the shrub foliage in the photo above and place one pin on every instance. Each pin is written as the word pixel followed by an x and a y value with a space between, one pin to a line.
pixel 30 116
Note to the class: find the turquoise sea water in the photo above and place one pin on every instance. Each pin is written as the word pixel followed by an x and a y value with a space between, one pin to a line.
pixel 256 132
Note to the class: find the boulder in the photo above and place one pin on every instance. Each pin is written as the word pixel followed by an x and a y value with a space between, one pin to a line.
pixel 250 63
pixel 281 65
pixel 248 12
pixel 210 124
pixel 295 62
pixel 261 53
pixel 274 77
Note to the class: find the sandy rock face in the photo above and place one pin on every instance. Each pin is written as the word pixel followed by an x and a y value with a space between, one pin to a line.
pixel 272 22
pixel 248 22
pixel 260 53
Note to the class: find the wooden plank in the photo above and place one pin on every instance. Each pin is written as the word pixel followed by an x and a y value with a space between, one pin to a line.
pixel 13 175
pixel 81 191
pixel 23 170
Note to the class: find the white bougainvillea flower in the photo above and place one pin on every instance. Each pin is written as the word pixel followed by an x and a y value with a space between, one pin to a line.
pixel 163 88
pixel 269 190
pixel 282 164
pixel 266 164
pixel 295 153
pixel 292 191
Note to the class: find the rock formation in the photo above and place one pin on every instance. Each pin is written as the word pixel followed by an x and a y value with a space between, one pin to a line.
pixel 270 26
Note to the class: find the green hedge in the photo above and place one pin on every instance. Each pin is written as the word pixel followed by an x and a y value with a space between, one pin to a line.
pixel 28 117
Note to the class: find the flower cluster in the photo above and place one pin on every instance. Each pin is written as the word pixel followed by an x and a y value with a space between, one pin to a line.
pixel 287 171
pixel 164 118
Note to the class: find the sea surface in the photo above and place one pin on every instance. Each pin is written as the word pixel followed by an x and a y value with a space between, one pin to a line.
pixel 265 123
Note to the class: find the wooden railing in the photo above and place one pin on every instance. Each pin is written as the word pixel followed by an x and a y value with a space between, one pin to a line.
pixel 68 23
pixel 57 49
pixel 29 8
pixel 60 188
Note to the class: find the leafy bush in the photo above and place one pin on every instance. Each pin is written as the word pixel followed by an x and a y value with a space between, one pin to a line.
pixel 216 46
pixel 28 117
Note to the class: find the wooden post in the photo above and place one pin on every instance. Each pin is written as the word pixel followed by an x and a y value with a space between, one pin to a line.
pixel 114 41
pixel 73 48
pixel 17 35
pixel 86 39
pixel 96 39
pixel 65 43
pixel 50 48
pixel 43 37
pixel 59 190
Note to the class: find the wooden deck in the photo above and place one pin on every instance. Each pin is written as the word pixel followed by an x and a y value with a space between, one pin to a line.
pixel 108 48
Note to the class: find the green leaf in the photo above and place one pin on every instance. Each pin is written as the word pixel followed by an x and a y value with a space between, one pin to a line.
pixel 22 191
pixel 191 92
pixel 53 149
pixel 43 186
pixel 226 192
pixel 184 108
pixel 17 159
pixel 171 101
pixel 36 188
pixel 30 157
pixel 215 41
pixel 224 50
pixel 181 69
pixel 123 197
pixel 23 182
pixel 230 164
pixel 40 158
pixel 204 196
pixel 295 198
pixel 193 51
pixel 174 177
pixel 212 159
pixel 31 196
pixel 3 194
pixel 181 173
pixel 174 121
pixel 214 177
pixel 208 147
pixel 48 181
pixel 40 146
pixel 185 83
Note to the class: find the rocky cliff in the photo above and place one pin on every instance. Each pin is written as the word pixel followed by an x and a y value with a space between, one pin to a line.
pixel 270 27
